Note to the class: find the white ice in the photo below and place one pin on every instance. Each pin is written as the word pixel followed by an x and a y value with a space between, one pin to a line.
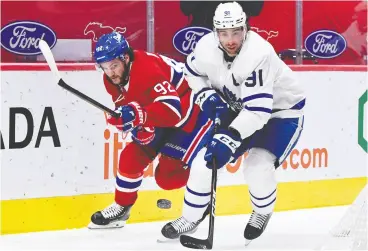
pixel 289 230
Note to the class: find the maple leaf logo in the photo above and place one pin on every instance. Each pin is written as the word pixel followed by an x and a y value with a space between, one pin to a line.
pixel 231 99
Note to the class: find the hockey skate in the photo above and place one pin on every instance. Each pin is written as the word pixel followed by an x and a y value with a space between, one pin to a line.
pixel 256 225
pixel 172 230
pixel 113 216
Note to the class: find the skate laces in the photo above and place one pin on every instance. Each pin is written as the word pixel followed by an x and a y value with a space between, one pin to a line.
pixel 257 220
pixel 181 225
pixel 112 211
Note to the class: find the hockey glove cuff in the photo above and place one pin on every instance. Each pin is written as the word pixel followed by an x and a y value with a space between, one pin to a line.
pixel 211 102
pixel 132 115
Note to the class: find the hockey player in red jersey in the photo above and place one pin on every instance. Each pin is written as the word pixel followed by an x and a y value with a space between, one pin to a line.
pixel 157 108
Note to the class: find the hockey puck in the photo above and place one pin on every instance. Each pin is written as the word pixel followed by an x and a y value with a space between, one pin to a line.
pixel 163 203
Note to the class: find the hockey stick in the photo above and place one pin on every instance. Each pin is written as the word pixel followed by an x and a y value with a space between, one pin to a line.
pixel 191 242
pixel 46 51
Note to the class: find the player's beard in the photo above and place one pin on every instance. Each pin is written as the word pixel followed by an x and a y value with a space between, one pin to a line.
pixel 115 78
pixel 234 53
pixel 119 77
pixel 231 52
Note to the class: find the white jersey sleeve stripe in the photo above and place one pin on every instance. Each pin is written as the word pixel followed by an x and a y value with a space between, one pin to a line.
pixel 258 109
pixel 160 98
pixel 173 108
pixel 258 95
pixel 191 71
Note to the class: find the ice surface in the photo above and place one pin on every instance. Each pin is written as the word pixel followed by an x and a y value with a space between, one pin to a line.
pixel 289 230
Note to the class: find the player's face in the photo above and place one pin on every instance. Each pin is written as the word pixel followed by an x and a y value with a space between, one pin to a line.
pixel 231 39
pixel 114 69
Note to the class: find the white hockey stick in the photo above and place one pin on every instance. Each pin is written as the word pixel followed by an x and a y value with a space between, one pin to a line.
pixel 46 51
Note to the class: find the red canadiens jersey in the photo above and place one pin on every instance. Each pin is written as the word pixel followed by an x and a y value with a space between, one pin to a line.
pixel 157 83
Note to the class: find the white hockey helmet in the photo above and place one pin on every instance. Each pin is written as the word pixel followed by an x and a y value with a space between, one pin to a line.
pixel 229 15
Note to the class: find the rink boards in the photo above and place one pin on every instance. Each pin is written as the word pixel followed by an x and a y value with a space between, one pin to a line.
pixel 59 156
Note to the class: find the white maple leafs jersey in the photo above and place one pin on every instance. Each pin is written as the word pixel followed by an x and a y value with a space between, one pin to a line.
pixel 257 84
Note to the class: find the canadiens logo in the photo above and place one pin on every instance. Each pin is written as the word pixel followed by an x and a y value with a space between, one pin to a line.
pixel 97 29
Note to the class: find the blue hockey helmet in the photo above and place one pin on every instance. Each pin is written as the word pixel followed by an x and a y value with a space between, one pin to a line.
pixel 110 46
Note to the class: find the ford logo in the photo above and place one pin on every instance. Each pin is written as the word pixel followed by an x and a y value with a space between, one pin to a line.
pixel 325 44
pixel 23 37
pixel 186 39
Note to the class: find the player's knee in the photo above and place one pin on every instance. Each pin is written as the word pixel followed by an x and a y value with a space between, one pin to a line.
pixel 171 173
pixel 199 167
pixel 135 158
pixel 259 165
pixel 172 181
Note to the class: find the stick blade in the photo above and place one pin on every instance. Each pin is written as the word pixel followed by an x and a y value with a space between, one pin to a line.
pixel 62 83
pixel 191 242
pixel 46 51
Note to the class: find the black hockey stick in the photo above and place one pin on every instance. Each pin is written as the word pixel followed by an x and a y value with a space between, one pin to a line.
pixel 191 242
pixel 88 99
pixel 46 51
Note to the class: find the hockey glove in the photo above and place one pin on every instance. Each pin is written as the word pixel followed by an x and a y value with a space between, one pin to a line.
pixel 211 103
pixel 222 146
pixel 143 135
pixel 132 115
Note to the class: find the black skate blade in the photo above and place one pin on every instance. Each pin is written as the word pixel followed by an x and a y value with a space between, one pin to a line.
pixel 191 242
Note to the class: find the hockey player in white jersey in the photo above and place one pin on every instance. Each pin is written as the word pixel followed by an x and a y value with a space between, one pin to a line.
pixel 236 67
